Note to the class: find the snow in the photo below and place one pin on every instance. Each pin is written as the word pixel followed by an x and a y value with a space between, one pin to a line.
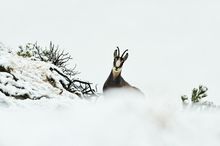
pixel 115 121
pixel 118 118
pixel 32 77
pixel 173 47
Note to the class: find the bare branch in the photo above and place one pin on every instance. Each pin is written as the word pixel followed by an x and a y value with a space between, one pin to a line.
pixel 76 85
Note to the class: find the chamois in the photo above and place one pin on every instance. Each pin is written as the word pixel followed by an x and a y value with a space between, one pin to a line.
pixel 115 80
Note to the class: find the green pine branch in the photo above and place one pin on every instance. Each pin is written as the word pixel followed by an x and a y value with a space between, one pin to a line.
pixel 197 95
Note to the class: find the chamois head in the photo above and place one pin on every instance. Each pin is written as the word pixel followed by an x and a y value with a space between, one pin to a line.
pixel 119 60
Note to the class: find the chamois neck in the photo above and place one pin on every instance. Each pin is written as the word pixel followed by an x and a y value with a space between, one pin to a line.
pixel 115 73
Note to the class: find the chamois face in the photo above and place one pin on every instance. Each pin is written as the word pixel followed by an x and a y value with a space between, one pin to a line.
pixel 119 60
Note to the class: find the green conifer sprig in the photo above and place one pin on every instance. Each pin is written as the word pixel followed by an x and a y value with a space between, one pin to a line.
pixel 184 98
pixel 198 94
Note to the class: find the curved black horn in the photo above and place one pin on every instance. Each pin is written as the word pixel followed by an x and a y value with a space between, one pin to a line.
pixel 124 52
pixel 118 51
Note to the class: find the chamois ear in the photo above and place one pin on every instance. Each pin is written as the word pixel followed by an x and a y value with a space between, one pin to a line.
pixel 125 57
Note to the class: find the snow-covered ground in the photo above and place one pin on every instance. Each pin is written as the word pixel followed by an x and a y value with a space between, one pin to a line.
pixel 173 47
pixel 119 119
pixel 115 122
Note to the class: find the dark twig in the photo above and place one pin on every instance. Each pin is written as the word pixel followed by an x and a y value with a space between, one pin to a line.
pixel 74 85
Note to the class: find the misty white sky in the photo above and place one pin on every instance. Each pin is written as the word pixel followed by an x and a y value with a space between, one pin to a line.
pixel 173 45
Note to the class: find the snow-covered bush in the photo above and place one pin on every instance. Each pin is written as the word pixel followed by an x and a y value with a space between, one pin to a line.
pixel 25 52
pixel 39 73
pixel 52 54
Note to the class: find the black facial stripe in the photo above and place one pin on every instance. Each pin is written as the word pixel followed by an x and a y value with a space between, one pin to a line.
pixel 115 60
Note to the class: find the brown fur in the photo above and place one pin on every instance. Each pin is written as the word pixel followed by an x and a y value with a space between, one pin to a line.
pixel 117 83
pixel 115 80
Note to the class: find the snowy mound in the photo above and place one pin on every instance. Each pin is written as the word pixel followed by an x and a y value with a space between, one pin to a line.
pixel 24 78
